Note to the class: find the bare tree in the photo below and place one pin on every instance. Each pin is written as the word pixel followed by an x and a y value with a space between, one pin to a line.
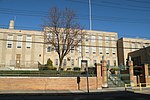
pixel 63 32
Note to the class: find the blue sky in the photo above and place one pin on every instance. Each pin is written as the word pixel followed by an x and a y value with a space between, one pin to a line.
pixel 130 18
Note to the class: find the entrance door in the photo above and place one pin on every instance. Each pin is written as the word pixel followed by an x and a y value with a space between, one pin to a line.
pixel 83 64
pixel 18 57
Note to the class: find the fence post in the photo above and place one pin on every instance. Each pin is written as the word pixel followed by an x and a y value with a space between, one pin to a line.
pixel 140 87
pixel 131 71
pixel 98 76
pixel 146 72
pixel 125 87
pixel 104 73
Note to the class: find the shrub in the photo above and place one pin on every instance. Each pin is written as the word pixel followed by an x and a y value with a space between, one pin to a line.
pixel 92 70
pixel 69 69
pixel 76 68
pixel 49 62
pixel 51 68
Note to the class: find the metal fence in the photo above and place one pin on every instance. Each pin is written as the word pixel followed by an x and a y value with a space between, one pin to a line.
pixel 119 75
pixel 23 65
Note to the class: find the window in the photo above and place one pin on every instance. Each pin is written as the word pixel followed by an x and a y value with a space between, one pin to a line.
pixel 72 49
pixel 93 38
pixel 113 40
pixel 56 63
pixel 19 41
pixel 9 45
pixel 79 37
pixel 114 62
pixel 72 62
pixel 64 36
pixel 55 49
pixel 86 49
pixel 108 62
pixel 133 46
pixel 137 46
pixel 107 39
pixel 113 51
pixel 65 62
pixel 145 45
pixel 94 50
pixel 28 41
pixel 64 47
pixel 79 49
pixel 49 35
pixel 86 38
pixel 94 62
pixel 100 38
pixel 49 49
pixel 9 41
pixel 100 50
pixel 107 50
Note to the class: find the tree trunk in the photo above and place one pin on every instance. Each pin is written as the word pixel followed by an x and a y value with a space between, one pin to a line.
pixel 60 63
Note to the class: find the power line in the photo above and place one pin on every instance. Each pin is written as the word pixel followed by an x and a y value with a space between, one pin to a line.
pixel 112 6
pixel 42 31
pixel 103 18
pixel 24 27
pixel 129 5
pixel 89 39
pixel 137 1
pixel 110 19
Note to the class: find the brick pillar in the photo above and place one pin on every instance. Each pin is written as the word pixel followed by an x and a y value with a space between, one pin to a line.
pixel 104 74
pixel 131 71
pixel 146 72
pixel 98 76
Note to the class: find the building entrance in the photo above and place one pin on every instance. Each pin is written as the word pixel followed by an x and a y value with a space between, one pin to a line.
pixel 18 57
pixel 84 64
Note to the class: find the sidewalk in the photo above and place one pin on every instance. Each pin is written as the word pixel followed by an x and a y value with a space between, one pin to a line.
pixel 63 91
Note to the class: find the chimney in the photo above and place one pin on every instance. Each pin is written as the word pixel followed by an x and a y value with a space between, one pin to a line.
pixel 11 24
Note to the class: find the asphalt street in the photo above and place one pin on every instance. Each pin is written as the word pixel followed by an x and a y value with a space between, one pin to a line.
pixel 117 95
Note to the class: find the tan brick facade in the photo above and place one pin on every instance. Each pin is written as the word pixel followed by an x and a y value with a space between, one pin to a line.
pixel 12 47
pixel 127 45
pixel 14 51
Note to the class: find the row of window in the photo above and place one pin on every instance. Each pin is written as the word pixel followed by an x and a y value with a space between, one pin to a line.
pixel 65 62
pixel 87 50
pixel 72 62
pixel 101 50
pixel 19 41
pixel 100 38
pixel 87 38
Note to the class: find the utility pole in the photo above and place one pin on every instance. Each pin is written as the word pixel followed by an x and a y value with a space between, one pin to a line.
pixel 90 17
pixel 90 14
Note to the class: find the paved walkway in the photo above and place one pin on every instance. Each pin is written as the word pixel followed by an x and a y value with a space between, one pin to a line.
pixel 76 91
pixel 65 91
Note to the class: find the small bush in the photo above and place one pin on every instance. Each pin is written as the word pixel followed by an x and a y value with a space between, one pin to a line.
pixel 52 68
pixel 68 69
pixel 49 62
pixel 61 69
pixel 76 68
pixel 92 70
